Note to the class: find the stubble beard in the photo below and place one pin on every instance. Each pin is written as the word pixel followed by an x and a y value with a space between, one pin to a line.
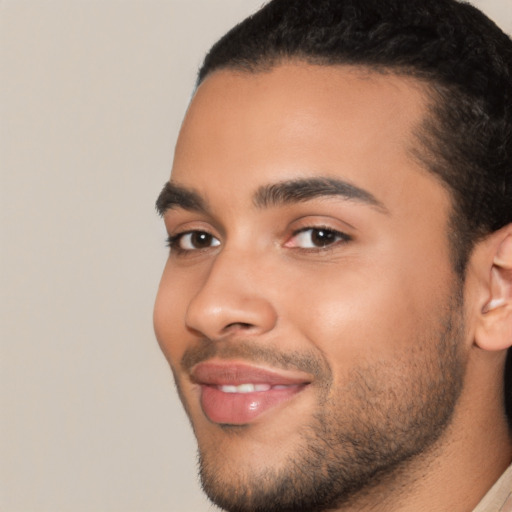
pixel 381 420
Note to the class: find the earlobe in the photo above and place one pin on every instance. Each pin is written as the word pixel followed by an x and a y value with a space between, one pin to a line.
pixel 494 331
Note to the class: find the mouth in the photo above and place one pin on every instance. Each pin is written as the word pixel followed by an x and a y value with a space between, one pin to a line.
pixel 237 394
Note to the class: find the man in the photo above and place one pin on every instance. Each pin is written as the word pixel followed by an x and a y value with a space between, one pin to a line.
pixel 337 303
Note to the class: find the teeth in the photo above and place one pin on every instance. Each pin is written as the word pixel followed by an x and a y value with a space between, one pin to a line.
pixel 262 387
pixel 245 388
pixel 228 389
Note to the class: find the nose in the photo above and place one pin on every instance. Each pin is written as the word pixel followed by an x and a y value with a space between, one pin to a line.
pixel 231 300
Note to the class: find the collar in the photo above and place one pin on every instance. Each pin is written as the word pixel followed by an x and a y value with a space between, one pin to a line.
pixel 499 497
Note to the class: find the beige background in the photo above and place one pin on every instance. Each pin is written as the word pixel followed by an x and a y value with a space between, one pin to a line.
pixel 92 94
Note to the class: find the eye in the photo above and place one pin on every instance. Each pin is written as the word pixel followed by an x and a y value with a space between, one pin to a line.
pixel 192 241
pixel 316 238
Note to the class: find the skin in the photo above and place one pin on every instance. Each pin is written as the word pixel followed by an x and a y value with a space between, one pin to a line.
pixel 378 314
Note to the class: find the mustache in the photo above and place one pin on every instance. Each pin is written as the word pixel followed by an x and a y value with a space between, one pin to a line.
pixel 252 352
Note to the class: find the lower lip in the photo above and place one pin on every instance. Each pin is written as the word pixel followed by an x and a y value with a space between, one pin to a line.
pixel 242 408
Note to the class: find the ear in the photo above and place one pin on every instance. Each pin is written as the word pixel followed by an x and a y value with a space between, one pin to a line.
pixel 494 323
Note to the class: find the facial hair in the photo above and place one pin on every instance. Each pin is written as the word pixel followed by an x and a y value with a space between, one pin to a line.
pixel 382 418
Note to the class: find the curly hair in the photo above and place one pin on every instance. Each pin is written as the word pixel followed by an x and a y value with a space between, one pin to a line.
pixel 464 59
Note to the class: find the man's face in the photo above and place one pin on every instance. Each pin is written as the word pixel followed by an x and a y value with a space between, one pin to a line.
pixel 308 307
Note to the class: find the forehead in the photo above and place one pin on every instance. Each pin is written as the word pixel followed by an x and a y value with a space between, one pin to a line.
pixel 243 130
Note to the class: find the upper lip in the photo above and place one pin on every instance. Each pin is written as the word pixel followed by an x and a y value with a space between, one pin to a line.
pixel 222 373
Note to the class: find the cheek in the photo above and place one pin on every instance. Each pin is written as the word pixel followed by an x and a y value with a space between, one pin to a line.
pixel 364 313
pixel 169 313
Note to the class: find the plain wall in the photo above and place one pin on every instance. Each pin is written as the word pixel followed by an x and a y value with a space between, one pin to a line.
pixel 92 94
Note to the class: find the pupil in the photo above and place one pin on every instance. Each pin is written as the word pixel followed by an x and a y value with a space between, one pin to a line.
pixel 322 237
pixel 201 240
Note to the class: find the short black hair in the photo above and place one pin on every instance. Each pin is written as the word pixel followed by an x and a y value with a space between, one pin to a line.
pixel 461 55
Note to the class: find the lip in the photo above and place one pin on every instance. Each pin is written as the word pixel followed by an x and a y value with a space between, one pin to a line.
pixel 235 407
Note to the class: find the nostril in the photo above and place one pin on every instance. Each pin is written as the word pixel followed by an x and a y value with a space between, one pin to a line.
pixel 241 325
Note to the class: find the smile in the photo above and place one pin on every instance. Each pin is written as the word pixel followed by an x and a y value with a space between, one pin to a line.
pixel 237 394
pixel 249 388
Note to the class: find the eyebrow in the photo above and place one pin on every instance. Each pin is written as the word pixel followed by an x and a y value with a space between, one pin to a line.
pixel 275 194
pixel 175 196
pixel 299 190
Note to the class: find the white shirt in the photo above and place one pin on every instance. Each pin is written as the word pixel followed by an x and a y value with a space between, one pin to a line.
pixel 499 497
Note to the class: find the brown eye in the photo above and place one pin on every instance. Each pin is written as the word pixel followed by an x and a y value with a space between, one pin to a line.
pixel 316 238
pixel 193 241
pixel 322 237
pixel 197 240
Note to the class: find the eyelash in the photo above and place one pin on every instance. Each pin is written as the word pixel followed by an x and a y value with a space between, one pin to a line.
pixel 173 241
pixel 339 235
